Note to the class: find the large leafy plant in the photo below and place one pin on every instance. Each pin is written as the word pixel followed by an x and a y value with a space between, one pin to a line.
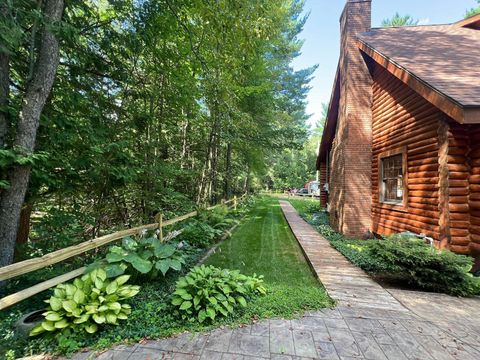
pixel 88 302
pixel 207 292
pixel 145 255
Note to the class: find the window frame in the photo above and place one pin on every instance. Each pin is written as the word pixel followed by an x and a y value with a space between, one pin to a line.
pixel 400 205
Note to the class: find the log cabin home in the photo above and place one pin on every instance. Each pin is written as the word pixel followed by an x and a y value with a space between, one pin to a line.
pixel 401 145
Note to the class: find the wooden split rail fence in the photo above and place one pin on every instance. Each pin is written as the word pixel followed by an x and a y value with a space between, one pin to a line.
pixel 24 267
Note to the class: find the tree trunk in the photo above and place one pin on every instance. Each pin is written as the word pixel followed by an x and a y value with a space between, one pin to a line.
pixel 36 94
pixel 228 173
pixel 24 224
pixel 4 86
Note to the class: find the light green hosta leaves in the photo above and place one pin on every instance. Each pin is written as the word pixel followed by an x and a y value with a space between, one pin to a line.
pixel 91 328
pixel 55 303
pixel 111 288
pixel 91 301
pixel 69 305
pixel 98 318
pixel 115 306
pixel 79 296
pixel 52 316
pixel 122 279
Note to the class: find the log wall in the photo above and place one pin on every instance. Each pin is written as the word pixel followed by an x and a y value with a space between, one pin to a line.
pixel 323 181
pixel 474 198
pixel 403 119
pixel 459 187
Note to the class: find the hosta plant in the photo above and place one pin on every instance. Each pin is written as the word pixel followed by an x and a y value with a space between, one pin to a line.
pixel 145 255
pixel 88 302
pixel 207 292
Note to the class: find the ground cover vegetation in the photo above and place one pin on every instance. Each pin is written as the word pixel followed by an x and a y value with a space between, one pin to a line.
pixel 399 259
pixel 137 293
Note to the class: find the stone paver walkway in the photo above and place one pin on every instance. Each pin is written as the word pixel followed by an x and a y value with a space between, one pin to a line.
pixel 369 322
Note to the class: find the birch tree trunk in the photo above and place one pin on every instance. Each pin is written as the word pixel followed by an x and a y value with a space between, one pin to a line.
pixel 36 94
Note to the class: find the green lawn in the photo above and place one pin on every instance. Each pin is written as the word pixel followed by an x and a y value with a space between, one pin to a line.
pixel 305 206
pixel 264 245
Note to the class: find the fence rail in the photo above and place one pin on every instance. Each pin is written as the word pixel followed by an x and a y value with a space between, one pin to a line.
pixel 24 267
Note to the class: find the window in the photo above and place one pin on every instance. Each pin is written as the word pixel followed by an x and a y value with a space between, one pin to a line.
pixel 392 189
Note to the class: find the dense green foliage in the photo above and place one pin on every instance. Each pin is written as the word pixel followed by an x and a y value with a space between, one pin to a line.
pixel 199 234
pixel 207 292
pixel 425 267
pixel 292 168
pixel 157 106
pixel 402 259
pixel 264 244
pixel 90 301
pixel 144 255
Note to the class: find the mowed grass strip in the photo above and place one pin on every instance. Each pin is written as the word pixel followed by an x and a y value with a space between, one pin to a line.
pixel 264 245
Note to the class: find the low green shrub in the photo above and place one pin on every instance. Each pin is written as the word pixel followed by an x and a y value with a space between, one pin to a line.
pixel 199 234
pixel 423 266
pixel 207 292
pixel 357 252
pixel 145 255
pixel 409 260
pixel 89 301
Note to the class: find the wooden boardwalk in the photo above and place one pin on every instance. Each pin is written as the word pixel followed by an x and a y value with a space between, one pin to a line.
pixel 347 284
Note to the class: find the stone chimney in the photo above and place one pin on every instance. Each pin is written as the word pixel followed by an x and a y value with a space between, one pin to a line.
pixel 350 185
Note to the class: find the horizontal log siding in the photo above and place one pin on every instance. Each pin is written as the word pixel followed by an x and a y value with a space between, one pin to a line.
pixel 474 198
pixel 459 188
pixel 323 181
pixel 402 118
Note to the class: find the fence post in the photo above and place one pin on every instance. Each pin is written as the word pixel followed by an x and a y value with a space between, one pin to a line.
pixel 159 219
pixel 235 202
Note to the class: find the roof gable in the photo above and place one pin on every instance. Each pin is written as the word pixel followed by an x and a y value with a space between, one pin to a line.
pixel 440 62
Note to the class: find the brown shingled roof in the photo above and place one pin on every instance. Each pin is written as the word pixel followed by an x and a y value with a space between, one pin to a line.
pixel 444 58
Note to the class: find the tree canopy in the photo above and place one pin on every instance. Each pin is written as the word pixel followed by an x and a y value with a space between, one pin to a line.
pixel 399 20
pixel 158 105
pixel 473 11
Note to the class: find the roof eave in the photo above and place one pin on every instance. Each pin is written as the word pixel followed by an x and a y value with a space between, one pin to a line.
pixel 472 115
pixel 470 22
pixel 331 121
